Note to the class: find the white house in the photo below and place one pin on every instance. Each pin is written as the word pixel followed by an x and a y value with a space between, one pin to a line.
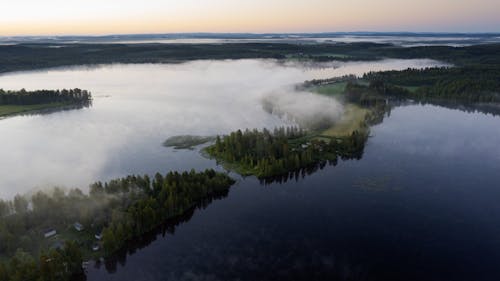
pixel 78 226
pixel 50 233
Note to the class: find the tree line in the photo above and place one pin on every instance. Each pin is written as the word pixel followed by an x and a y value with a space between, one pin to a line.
pixel 23 97
pixel 470 84
pixel 120 210
pixel 268 154
pixel 36 56
pixel 166 197
pixel 319 82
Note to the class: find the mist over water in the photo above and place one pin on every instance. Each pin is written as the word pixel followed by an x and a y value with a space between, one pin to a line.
pixel 307 110
pixel 401 40
pixel 136 107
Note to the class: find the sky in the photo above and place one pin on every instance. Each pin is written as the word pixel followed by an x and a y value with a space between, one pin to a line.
pixel 99 17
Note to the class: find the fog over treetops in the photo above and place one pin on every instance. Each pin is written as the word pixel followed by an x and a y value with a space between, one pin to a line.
pixel 308 110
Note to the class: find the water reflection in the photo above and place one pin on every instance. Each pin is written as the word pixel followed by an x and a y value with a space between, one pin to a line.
pixel 46 111
pixel 137 107
pixel 166 228
pixel 441 224
pixel 486 108
pixel 437 218
pixel 299 174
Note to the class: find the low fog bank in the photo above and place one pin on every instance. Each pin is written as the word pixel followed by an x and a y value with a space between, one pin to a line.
pixel 147 103
pixel 308 110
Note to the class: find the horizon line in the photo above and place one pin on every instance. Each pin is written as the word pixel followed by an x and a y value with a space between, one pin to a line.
pixel 262 33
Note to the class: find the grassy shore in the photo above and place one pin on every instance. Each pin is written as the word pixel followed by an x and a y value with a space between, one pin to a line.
pixel 352 120
pixel 334 89
pixel 9 110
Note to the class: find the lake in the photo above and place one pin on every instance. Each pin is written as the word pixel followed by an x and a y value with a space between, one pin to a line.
pixel 137 107
pixel 421 204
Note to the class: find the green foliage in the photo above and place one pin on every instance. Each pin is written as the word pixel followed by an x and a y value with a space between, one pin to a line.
pixel 36 56
pixel 166 197
pixel 475 55
pixel 55 265
pixel 22 101
pixel 23 97
pixel 61 264
pixel 122 209
pixel 6 110
pixel 186 141
pixel 265 154
pixel 470 84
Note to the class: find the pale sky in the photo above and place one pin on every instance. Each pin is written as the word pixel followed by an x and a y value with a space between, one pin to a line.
pixel 98 17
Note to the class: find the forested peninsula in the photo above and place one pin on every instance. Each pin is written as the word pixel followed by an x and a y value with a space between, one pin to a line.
pixel 49 235
pixel 474 79
pixel 283 152
pixel 22 101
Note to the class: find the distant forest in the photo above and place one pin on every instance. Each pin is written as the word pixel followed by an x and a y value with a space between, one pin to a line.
pixel 36 56
pixel 470 84
pixel 467 84
pixel 23 97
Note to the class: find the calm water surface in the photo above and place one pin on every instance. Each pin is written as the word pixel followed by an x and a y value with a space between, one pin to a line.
pixel 137 107
pixel 422 203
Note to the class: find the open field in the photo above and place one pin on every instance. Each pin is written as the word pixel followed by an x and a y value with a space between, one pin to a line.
pixel 334 89
pixel 352 120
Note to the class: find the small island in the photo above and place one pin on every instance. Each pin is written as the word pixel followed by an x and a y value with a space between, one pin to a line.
pixel 285 152
pixel 268 154
pixel 187 141
pixel 22 101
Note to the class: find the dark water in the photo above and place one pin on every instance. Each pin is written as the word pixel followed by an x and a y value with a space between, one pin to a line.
pixel 422 204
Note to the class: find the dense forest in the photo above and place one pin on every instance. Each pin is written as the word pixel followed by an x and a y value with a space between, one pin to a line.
pixel 378 91
pixel 470 84
pixel 318 82
pixel 475 84
pixel 268 154
pixel 23 97
pixel 166 197
pixel 36 56
pixel 473 78
pixel 112 214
